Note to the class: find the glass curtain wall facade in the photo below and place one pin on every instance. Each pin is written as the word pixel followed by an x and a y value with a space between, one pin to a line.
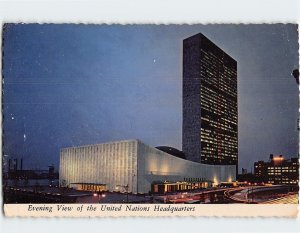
pixel 210 111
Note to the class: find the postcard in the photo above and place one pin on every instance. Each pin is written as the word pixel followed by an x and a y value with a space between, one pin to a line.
pixel 150 120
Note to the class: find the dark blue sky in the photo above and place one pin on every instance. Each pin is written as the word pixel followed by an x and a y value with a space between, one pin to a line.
pixel 69 85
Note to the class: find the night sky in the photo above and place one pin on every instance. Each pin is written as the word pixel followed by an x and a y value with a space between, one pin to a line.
pixel 70 85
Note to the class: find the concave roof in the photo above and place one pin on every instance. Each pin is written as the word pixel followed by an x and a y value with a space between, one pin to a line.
pixel 172 151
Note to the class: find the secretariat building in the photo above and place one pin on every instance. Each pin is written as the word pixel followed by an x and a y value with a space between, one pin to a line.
pixel 209 142
pixel 210 112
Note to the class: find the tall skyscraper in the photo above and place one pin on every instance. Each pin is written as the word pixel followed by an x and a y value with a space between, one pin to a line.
pixel 210 112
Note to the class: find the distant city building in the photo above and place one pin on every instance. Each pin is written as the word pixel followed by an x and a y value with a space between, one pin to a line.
pixel 278 170
pixel 244 171
pixel 15 171
pixel 249 178
pixel 210 110
pixel 132 166
pixel 14 165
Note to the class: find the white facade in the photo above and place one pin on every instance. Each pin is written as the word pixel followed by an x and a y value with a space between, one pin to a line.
pixel 132 163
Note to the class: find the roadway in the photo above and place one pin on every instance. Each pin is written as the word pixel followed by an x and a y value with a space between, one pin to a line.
pixel 289 199
pixel 263 194
pixel 205 196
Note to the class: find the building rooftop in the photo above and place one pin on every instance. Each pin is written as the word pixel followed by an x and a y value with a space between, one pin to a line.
pixel 172 151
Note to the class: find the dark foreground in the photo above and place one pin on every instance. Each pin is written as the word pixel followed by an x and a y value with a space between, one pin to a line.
pixel 250 195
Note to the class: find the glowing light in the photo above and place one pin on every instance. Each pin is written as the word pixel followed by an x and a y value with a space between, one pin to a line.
pixel 278 158
pixel 95 194
pixel 215 182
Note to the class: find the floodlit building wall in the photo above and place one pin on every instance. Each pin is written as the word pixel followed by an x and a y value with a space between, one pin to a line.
pixel 132 163
pixel 155 165
pixel 113 164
